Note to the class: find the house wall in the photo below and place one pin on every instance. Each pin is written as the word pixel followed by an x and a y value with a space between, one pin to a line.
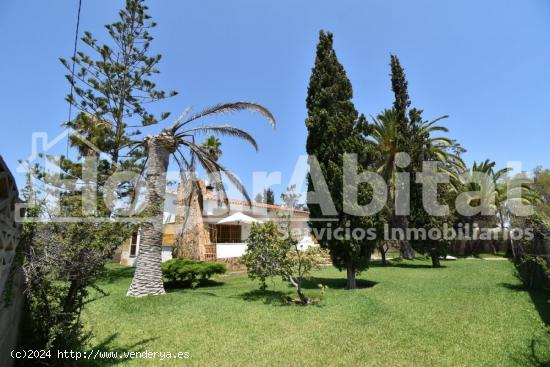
pixel 212 213
pixel 131 261
pixel 126 259
pixel 123 254
pixel 230 250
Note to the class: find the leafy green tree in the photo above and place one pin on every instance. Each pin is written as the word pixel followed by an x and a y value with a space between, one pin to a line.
pixel 63 262
pixel 334 129
pixel 272 253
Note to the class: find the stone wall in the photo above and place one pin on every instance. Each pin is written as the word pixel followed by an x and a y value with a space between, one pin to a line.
pixel 10 316
pixel 191 235
pixel 11 279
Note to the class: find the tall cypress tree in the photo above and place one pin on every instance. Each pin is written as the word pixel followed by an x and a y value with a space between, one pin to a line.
pixel 399 87
pixel 401 105
pixel 414 139
pixel 334 129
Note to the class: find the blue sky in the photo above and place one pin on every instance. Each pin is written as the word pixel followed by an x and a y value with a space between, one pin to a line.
pixel 484 63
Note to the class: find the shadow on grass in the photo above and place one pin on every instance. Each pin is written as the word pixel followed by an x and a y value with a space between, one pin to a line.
pixel 539 297
pixel 335 283
pixel 405 265
pixel 268 297
pixel 531 358
pixel 106 354
pixel 113 275
pixel 110 276
pixel 178 286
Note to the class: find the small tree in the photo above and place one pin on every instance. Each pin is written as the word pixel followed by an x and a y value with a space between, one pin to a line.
pixel 267 197
pixel 62 262
pixel 271 253
pixel 290 197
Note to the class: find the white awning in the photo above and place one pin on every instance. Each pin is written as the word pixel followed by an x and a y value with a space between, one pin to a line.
pixel 239 218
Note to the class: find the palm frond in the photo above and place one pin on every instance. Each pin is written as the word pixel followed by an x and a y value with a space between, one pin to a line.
pixel 228 108
pixel 224 130
pixel 210 165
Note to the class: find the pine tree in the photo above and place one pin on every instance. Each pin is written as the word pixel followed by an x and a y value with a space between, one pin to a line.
pixel 333 129
pixel 112 87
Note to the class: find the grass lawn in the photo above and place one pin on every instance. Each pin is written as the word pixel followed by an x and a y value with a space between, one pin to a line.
pixel 470 313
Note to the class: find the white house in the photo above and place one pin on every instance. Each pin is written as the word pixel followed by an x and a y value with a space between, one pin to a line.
pixel 227 228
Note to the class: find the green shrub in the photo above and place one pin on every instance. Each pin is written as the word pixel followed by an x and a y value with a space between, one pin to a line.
pixel 190 272
pixel 271 253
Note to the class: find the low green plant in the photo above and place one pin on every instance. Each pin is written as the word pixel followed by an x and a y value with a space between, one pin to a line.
pixel 191 273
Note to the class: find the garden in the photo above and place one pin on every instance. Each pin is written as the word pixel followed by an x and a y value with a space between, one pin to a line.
pixel 472 312
pixel 417 253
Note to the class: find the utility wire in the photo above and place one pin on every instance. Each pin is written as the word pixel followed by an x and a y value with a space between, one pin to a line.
pixel 72 72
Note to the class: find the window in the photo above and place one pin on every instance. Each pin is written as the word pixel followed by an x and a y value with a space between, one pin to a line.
pixel 133 244
pixel 226 233
pixel 211 228
pixel 4 188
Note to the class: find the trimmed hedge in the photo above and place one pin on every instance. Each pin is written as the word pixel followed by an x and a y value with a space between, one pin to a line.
pixel 190 272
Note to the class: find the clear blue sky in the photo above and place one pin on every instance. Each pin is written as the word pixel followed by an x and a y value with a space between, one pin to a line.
pixel 485 63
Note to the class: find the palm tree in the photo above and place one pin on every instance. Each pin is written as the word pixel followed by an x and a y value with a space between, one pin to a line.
pixel 494 189
pixel 213 146
pixel 178 141
pixel 389 141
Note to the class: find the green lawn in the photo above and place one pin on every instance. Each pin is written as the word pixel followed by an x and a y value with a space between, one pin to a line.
pixel 470 313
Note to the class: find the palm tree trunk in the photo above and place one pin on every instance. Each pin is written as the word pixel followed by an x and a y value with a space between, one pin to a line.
pixel 148 279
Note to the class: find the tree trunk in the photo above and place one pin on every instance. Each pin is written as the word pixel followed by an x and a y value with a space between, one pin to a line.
pixel 303 299
pixel 297 283
pixel 382 254
pixel 351 281
pixel 405 249
pixel 508 245
pixel 70 300
pixel 436 263
pixel 148 279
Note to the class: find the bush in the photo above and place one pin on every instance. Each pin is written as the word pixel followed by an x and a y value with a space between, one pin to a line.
pixel 273 253
pixel 189 272
pixel 532 268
